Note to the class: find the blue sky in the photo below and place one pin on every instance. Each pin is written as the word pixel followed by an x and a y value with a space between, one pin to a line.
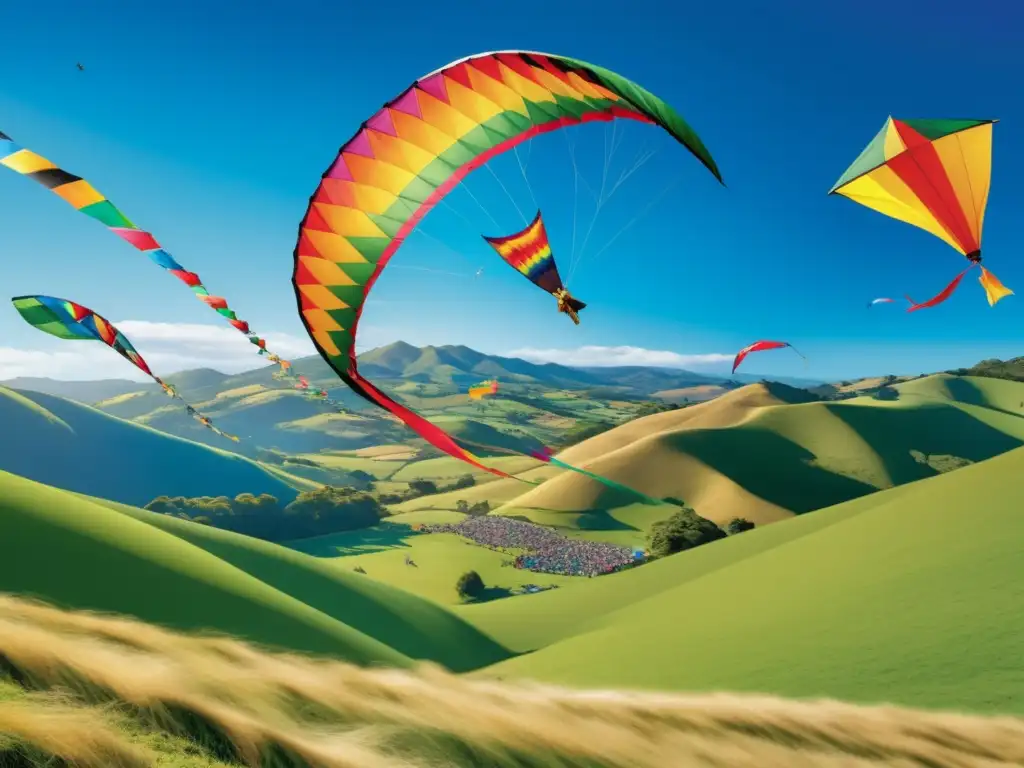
pixel 210 128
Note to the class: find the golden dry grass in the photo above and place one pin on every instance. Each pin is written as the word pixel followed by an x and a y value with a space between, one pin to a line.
pixel 244 705
pixel 699 392
pixel 642 453
pixel 40 730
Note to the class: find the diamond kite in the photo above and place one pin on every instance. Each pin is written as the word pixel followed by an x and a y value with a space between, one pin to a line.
pixel 932 174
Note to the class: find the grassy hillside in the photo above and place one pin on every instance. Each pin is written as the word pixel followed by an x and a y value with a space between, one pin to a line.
pixel 88 553
pixel 910 595
pixel 764 452
pixel 175 700
pixel 76 447
pixel 85 555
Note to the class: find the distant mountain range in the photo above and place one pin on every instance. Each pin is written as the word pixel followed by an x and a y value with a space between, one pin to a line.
pixel 445 366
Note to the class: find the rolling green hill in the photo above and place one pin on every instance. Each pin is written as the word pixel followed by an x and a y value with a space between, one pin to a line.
pixel 74 446
pixel 88 553
pixel 433 380
pixel 764 453
pixel 910 595
pixel 89 392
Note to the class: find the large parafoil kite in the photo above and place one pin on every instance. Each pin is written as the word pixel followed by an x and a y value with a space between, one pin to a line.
pixel 529 253
pixel 68 320
pixel 411 153
pixel 933 174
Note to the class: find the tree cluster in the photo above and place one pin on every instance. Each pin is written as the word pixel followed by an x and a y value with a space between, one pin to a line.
pixel 480 508
pixel 470 585
pixel 684 530
pixel 312 513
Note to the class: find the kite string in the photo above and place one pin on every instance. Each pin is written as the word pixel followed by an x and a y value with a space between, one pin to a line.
pixel 600 196
pixel 507 193
pixel 639 161
pixel 640 215
pixel 462 183
pixel 522 170
pixel 575 194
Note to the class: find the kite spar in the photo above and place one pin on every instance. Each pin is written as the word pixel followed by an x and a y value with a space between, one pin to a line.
pixel 68 320
pixel 934 175
pixel 410 154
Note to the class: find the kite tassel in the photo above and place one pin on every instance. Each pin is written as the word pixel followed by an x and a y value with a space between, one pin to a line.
pixel 994 289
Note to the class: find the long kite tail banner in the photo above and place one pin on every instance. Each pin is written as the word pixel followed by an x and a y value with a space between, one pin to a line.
pixel 71 321
pixel 83 197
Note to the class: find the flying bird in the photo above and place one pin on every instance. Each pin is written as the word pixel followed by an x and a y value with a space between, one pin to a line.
pixel 81 67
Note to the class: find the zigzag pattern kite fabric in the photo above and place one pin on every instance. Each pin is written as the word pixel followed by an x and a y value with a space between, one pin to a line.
pixel 529 253
pixel 71 321
pixel 931 174
pixel 82 196
pixel 413 152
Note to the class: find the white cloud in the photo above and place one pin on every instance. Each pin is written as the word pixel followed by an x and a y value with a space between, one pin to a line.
pixel 614 356
pixel 167 347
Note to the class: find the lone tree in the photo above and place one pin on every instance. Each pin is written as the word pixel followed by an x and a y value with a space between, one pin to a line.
pixel 738 525
pixel 684 530
pixel 470 585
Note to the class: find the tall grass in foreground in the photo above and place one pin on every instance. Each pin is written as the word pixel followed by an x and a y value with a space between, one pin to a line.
pixel 126 685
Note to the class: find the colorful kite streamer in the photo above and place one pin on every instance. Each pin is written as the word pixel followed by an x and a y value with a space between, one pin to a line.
pixel 71 321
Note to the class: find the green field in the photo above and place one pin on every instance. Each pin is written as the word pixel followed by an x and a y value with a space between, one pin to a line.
pixel 440 558
pixel 911 595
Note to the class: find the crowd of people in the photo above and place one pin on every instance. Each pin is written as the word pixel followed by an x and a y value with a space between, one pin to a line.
pixel 540 549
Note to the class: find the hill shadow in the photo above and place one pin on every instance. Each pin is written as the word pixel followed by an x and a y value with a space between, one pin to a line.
pixel 106 457
pixel 930 429
pixel 492 593
pixel 968 392
pixel 769 466
pixel 363 541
